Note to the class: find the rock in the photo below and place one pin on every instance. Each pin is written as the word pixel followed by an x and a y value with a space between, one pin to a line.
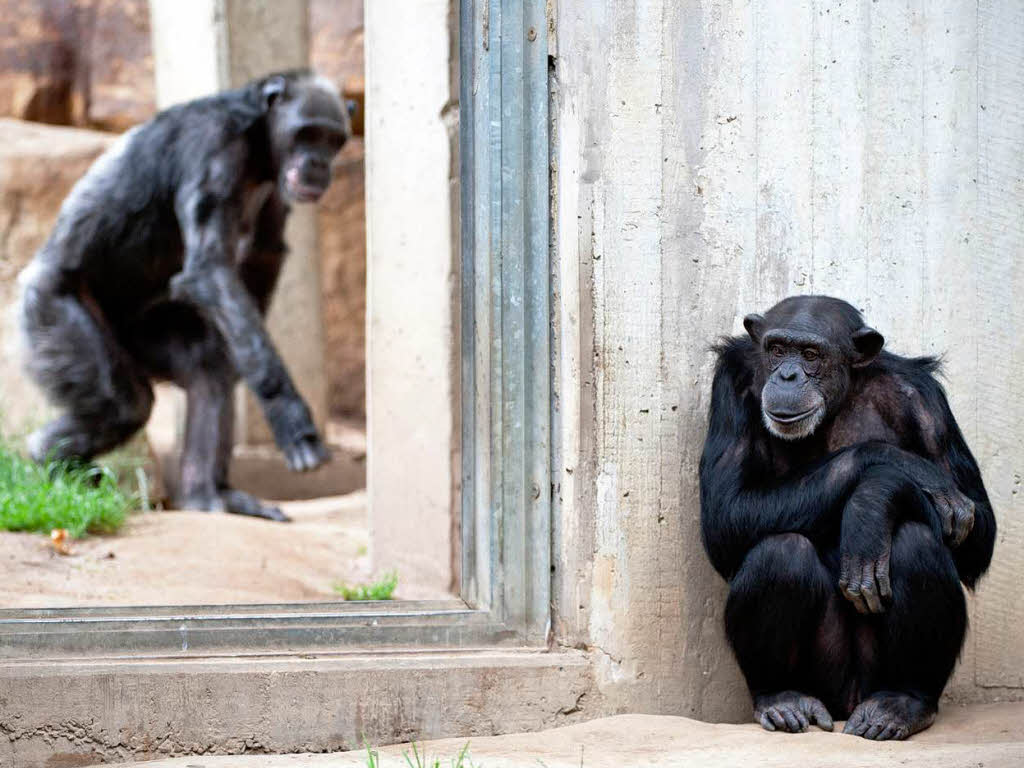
pixel 76 62
pixel 38 166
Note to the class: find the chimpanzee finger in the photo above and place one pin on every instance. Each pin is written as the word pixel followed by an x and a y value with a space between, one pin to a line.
pixel 882 574
pixel 802 719
pixel 792 724
pixel 310 460
pixel 888 732
pixel 323 453
pixel 946 514
pixel 777 718
pixel 766 722
pixel 869 589
pixel 852 589
pixel 856 725
pixel 963 523
pixel 844 573
pixel 821 716
pixel 873 731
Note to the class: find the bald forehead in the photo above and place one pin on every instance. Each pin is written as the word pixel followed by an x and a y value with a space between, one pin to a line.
pixel 320 100
pixel 831 318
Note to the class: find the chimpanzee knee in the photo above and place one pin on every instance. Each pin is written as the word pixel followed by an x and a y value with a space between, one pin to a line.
pixel 775 603
pixel 785 561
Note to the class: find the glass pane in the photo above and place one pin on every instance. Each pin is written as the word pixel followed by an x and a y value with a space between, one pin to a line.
pixel 364 315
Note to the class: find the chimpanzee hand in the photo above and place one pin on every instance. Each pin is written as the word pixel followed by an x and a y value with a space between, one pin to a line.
pixel 865 543
pixel 295 434
pixel 955 511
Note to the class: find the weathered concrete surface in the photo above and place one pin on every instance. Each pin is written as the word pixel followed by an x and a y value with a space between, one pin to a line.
pixel 412 402
pixel 710 158
pixel 985 735
pixel 38 166
pixel 118 711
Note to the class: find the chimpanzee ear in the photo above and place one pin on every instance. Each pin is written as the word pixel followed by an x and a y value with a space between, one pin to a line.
pixel 755 327
pixel 868 343
pixel 273 89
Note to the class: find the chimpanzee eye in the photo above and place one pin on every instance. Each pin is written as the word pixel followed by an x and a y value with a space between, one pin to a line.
pixel 776 350
pixel 810 355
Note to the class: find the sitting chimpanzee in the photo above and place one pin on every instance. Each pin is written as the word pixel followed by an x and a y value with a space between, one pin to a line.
pixel 161 265
pixel 840 501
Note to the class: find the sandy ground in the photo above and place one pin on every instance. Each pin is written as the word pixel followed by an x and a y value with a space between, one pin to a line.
pixel 194 558
pixel 982 736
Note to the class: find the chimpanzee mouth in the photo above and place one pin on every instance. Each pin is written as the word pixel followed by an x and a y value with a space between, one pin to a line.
pixel 299 190
pixel 304 193
pixel 790 418
pixel 793 426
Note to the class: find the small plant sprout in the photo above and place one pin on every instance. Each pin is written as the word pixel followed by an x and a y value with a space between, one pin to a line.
pixel 419 758
pixel 381 589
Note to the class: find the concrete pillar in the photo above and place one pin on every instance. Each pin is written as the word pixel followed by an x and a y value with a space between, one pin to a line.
pixel 203 46
pixel 412 292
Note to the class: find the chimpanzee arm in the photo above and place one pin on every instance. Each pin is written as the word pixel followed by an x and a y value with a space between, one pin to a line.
pixel 209 215
pixel 743 501
pixel 941 440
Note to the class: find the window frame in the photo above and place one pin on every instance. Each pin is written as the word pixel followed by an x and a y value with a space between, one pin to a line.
pixel 505 515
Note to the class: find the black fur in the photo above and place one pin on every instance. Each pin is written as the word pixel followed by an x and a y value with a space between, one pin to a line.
pixel 161 264
pixel 844 548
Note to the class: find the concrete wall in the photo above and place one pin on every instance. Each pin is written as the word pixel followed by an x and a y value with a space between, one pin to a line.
pixel 412 284
pixel 712 157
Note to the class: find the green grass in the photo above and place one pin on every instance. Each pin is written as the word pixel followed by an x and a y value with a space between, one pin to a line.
pixel 419 759
pixel 381 589
pixel 38 499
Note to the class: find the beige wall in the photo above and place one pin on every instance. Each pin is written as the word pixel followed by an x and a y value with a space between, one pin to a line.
pixel 712 157
pixel 412 284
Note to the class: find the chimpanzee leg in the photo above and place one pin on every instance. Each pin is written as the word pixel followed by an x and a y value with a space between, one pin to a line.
pixel 923 630
pixel 183 347
pixel 777 602
pixel 75 359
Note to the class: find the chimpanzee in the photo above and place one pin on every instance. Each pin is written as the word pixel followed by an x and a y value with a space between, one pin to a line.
pixel 840 501
pixel 161 266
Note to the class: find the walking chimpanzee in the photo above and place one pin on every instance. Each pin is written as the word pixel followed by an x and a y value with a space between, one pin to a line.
pixel 162 264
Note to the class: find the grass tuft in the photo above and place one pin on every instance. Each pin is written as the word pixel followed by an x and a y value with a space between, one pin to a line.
pixel 41 498
pixel 381 589
pixel 420 760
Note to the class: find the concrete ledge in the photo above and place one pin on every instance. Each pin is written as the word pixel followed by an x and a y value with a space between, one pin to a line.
pixel 986 735
pixel 73 713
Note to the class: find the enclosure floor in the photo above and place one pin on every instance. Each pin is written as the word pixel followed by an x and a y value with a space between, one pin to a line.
pixel 981 736
pixel 195 558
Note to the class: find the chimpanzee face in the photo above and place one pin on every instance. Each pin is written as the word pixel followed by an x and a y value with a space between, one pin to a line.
pixel 309 126
pixel 807 357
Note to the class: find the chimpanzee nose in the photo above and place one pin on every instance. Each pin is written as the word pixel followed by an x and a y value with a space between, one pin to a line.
pixel 788 372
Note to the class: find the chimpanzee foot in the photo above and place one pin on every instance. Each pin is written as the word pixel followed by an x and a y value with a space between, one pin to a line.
pixel 791 711
pixel 242 503
pixel 230 500
pixel 889 715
